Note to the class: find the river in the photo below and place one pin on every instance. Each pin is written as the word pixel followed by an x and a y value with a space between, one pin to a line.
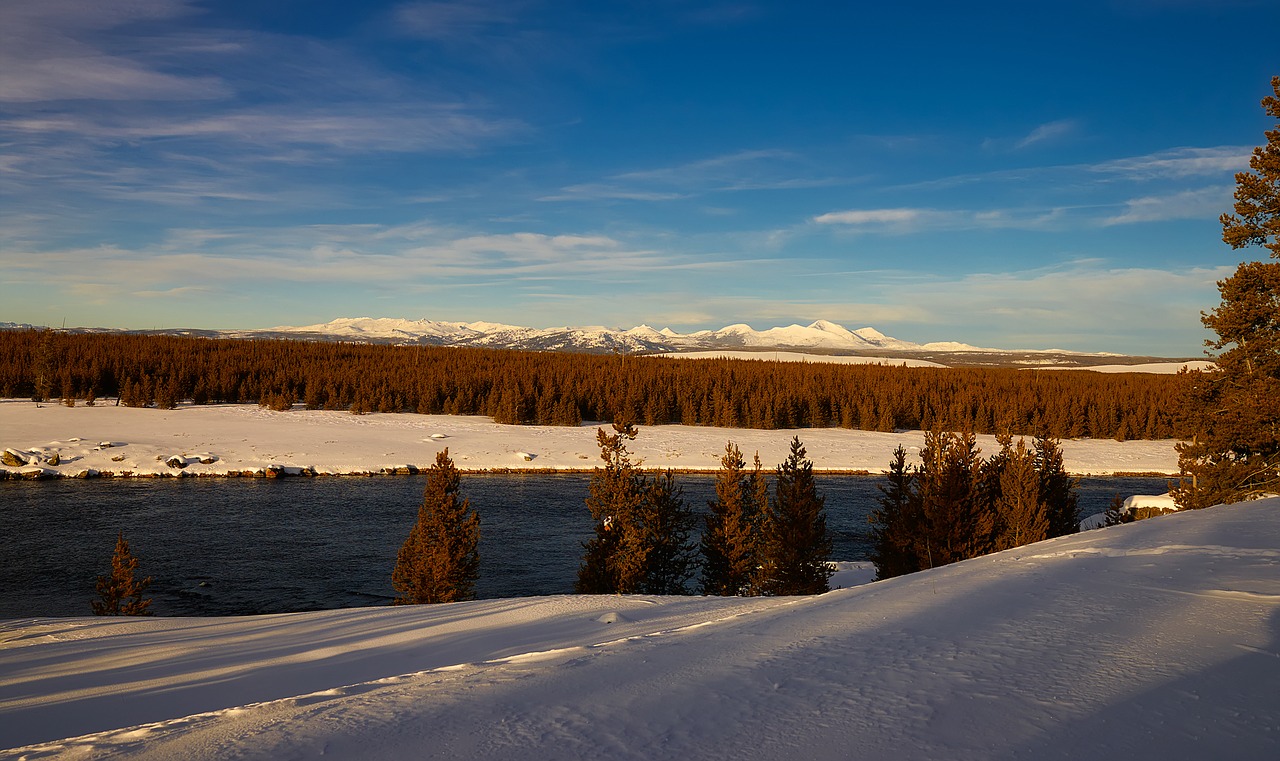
pixel 218 547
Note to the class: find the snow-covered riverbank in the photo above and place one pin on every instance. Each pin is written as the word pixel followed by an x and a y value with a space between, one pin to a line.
pixel 222 440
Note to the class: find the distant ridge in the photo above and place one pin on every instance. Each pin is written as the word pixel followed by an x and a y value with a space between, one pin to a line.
pixel 821 337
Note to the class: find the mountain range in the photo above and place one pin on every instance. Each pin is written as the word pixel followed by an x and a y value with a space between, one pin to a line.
pixel 820 337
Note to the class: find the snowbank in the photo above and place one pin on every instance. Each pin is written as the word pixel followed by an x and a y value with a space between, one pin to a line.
pixel 1153 640
pixel 247 440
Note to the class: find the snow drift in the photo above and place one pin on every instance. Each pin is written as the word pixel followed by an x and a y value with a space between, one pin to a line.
pixel 1152 640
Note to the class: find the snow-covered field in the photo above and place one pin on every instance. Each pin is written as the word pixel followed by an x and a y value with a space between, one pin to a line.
pixel 222 439
pixel 792 356
pixel 1154 640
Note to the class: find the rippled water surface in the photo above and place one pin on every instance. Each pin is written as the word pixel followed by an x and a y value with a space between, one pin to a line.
pixel 243 546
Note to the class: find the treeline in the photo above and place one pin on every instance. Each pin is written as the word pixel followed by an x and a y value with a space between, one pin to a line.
pixel 955 505
pixel 564 389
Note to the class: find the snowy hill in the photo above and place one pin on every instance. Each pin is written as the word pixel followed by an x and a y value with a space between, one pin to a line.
pixel 1153 640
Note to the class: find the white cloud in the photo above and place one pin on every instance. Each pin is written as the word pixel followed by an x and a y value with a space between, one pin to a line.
pixel 1178 163
pixel 373 255
pixel 879 217
pixel 178 292
pixel 913 220
pixel 439 128
pixel 1047 133
pixel 1083 305
pixel 1205 203
pixel 600 191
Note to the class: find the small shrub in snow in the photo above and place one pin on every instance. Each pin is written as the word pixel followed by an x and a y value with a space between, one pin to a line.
pixel 120 593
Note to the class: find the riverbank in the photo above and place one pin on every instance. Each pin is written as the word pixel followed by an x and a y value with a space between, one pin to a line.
pixel 247 441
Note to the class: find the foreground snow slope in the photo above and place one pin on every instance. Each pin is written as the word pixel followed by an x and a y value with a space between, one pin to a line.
pixel 246 437
pixel 1153 640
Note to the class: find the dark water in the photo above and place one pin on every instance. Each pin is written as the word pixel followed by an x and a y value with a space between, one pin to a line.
pixel 238 547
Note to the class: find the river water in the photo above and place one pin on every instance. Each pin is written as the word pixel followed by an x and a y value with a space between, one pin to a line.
pixel 218 547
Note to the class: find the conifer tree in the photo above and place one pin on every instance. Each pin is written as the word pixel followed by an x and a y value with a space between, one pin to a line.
pixel 731 534
pixel 615 493
pixel 1057 488
pixel 895 525
pixel 1021 514
pixel 642 526
pixel 1234 453
pixel 957 521
pixel 1115 513
pixel 666 523
pixel 121 593
pixel 795 546
pixel 440 560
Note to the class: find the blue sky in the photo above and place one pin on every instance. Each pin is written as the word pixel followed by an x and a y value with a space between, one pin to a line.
pixel 1021 175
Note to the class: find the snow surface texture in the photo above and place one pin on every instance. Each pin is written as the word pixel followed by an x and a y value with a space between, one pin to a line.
pixel 220 439
pixel 1154 640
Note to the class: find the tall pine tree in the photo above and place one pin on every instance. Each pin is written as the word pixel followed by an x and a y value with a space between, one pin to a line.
pixel 1021 514
pixel 1234 453
pixel 1057 488
pixel 440 560
pixel 957 522
pixel 896 524
pixel 642 539
pixel 731 536
pixel 615 493
pixel 795 547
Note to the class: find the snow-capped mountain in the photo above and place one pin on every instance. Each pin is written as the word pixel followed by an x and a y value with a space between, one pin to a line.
pixel 821 335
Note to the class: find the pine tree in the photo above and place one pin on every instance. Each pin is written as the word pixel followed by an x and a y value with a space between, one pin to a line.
pixel 731 535
pixel 440 560
pixel 795 547
pixel 1235 409
pixel 1115 513
pixel 957 521
pixel 1021 514
pixel 1057 488
pixel 642 526
pixel 121 593
pixel 615 493
pixel 666 523
pixel 895 525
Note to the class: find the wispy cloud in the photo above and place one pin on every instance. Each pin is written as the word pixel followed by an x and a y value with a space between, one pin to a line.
pixel 769 169
pixel 1204 203
pixel 875 217
pixel 595 191
pixel 367 254
pixel 1085 305
pixel 1048 133
pixel 901 221
pixel 441 128
pixel 57 50
pixel 455 21
pixel 1174 163
pixel 1178 163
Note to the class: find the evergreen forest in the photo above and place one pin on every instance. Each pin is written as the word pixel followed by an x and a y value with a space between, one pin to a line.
pixel 550 388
